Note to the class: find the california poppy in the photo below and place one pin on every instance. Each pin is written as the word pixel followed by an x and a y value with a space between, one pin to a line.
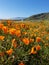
pixel 18 33
pixel 26 41
pixel 21 63
pixel 31 40
pixel 33 50
pixel 9 52
pixel 2 37
pixel 38 39
pixel 12 31
pixel 1 53
pixel 14 43
pixel 5 29
pixel 1 25
pixel 38 47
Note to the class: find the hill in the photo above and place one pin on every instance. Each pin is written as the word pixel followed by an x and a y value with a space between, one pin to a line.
pixel 41 16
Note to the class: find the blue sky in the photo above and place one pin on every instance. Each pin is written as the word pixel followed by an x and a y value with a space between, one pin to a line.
pixel 22 8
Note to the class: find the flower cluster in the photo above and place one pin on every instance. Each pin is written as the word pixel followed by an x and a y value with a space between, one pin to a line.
pixel 24 43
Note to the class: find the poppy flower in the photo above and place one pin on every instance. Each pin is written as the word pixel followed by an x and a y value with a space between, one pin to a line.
pixel 33 50
pixel 18 33
pixel 2 37
pixel 14 43
pixel 12 31
pixel 9 52
pixel 21 63
pixel 5 29
pixel 1 25
pixel 26 41
pixel 38 47
pixel 38 39
pixel 1 53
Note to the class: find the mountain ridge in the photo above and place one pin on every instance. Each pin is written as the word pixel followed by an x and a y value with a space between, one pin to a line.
pixel 41 16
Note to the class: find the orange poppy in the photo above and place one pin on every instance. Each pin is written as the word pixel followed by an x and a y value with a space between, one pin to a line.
pixel 47 38
pixel 24 33
pixel 9 52
pixel 2 37
pixel 18 33
pixel 1 53
pixel 9 22
pixel 12 31
pixel 26 41
pixel 1 25
pixel 14 43
pixel 21 63
pixel 5 29
pixel 38 39
pixel 31 40
pixel 33 50
pixel 23 25
pixel 38 47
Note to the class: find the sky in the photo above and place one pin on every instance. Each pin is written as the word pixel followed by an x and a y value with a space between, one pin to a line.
pixel 22 8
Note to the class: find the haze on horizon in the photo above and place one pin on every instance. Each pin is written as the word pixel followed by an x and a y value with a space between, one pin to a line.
pixel 22 8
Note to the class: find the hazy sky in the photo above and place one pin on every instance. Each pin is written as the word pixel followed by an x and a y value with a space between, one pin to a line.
pixel 22 8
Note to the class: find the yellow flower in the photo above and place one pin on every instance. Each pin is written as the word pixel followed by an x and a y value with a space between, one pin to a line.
pixel 24 33
pixel 33 50
pixel 46 38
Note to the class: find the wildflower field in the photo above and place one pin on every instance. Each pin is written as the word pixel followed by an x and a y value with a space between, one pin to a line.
pixel 24 43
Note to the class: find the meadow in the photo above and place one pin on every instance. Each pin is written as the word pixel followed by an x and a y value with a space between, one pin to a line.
pixel 24 43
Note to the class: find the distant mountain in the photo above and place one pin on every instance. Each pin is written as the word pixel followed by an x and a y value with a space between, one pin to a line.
pixel 41 16
pixel 18 18
pixel 15 18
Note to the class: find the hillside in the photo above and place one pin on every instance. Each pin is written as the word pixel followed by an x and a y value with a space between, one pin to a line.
pixel 41 16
